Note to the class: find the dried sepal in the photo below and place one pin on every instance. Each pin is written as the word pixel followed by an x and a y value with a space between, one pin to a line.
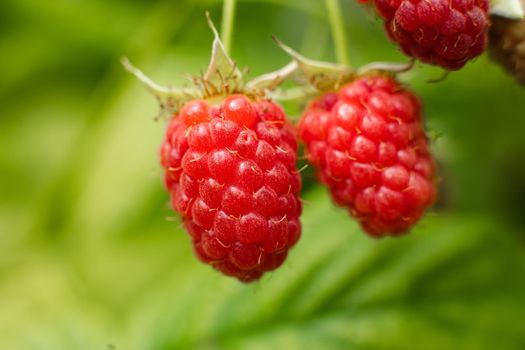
pixel 222 76
pixel 270 81
pixel 385 67
pixel 170 99
pixel 323 75
pixel 297 94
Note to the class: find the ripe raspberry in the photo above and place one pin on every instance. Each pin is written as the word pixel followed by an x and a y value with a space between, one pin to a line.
pixel 447 33
pixel 232 176
pixel 368 143
pixel 507 45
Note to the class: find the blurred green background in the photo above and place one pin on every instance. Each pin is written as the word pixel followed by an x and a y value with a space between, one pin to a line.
pixel 91 257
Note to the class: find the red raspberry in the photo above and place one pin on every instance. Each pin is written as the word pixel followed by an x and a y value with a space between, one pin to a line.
pixel 447 33
pixel 368 143
pixel 232 176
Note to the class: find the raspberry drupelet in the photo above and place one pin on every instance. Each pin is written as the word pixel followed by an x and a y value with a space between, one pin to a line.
pixel 447 33
pixel 231 172
pixel 369 146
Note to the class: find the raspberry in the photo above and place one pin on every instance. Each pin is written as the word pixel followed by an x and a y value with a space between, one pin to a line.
pixel 368 143
pixel 231 173
pixel 447 33
pixel 507 45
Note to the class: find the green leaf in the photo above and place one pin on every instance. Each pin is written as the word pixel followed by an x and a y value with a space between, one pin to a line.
pixel 452 284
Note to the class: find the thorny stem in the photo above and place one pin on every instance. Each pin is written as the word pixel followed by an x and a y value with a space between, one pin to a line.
pixel 335 16
pixel 228 15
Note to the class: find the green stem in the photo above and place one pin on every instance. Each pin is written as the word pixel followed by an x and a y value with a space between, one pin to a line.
pixel 335 16
pixel 228 15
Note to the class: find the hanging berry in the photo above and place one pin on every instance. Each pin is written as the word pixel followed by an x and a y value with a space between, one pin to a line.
pixel 229 157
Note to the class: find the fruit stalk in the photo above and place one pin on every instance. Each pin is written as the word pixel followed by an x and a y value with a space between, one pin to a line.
pixel 228 16
pixel 333 7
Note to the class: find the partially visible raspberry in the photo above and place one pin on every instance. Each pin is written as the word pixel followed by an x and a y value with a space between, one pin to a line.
pixel 232 176
pixel 368 143
pixel 447 33
pixel 507 45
